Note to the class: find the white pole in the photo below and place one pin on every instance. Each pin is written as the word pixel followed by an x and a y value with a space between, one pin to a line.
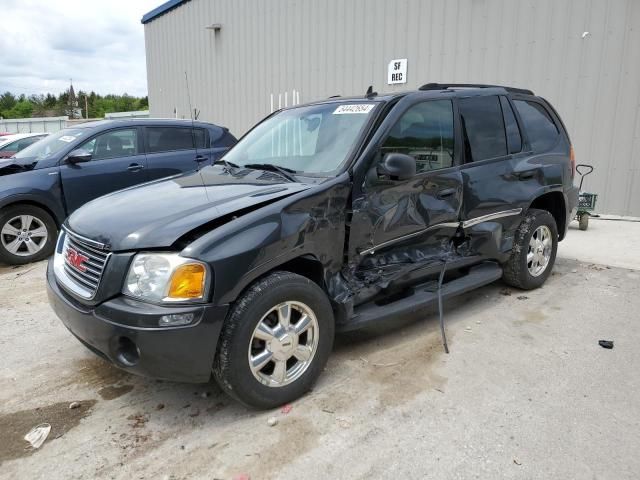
pixel 286 95
pixel 271 103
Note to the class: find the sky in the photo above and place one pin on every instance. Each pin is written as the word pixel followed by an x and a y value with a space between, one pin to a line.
pixel 97 43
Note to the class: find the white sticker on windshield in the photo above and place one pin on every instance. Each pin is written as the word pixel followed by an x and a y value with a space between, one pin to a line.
pixel 354 108
pixel 67 138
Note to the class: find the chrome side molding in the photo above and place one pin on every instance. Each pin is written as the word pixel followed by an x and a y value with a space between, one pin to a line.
pixel 464 224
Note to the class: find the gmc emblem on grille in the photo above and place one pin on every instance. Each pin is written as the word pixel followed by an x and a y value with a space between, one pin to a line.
pixel 76 260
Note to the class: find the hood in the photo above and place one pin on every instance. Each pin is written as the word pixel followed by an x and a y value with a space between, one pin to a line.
pixel 14 165
pixel 156 214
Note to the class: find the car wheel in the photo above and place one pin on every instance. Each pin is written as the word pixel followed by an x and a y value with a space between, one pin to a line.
pixel 27 234
pixel 534 251
pixel 583 221
pixel 275 341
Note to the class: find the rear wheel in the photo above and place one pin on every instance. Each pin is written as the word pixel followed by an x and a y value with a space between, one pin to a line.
pixel 275 341
pixel 534 251
pixel 27 234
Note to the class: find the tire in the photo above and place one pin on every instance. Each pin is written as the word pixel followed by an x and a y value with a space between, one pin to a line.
pixel 34 247
pixel 583 221
pixel 238 341
pixel 518 271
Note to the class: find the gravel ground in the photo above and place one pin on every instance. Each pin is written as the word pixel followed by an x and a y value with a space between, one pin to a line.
pixel 526 391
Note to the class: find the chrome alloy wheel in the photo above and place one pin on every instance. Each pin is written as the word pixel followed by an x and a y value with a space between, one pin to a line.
pixel 24 235
pixel 539 253
pixel 283 344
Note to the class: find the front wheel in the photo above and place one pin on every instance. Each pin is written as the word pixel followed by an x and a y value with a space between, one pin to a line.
pixel 534 251
pixel 27 234
pixel 275 341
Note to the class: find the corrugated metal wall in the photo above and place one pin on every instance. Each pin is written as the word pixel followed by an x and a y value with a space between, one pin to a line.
pixel 323 48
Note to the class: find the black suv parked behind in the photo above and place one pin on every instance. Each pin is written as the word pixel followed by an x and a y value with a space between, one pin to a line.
pixel 45 182
pixel 328 216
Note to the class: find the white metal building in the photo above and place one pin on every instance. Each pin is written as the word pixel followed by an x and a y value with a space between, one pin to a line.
pixel 245 57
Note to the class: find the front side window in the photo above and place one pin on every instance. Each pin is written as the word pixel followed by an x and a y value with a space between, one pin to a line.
pixel 313 139
pixel 542 132
pixel 169 139
pixel 425 131
pixel 483 128
pixel 113 144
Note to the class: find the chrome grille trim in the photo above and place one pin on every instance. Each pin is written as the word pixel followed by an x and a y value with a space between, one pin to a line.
pixel 81 283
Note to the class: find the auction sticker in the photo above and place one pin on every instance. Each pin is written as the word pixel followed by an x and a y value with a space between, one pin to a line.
pixel 67 138
pixel 354 108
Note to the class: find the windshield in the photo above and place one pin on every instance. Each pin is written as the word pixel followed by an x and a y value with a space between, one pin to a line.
pixel 313 139
pixel 52 143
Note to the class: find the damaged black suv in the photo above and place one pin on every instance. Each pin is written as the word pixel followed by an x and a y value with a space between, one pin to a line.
pixel 325 217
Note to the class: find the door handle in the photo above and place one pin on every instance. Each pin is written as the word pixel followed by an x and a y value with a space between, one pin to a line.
pixel 526 175
pixel 201 158
pixel 135 167
pixel 447 192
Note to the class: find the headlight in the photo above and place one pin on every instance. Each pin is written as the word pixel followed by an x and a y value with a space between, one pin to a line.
pixel 166 277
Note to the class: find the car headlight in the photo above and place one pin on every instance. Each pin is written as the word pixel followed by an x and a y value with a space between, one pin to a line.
pixel 166 277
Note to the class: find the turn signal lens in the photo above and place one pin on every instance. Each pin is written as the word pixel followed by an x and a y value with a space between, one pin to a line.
pixel 572 156
pixel 187 282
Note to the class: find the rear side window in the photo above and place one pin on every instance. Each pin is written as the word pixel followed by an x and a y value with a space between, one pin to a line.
pixel 425 132
pixel 514 140
pixel 483 128
pixel 542 132
pixel 168 139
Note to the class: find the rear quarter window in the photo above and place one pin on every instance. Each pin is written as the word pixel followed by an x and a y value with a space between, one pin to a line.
pixel 168 139
pixel 225 140
pixel 541 130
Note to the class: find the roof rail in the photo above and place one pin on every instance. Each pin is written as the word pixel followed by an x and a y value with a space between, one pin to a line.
pixel 444 86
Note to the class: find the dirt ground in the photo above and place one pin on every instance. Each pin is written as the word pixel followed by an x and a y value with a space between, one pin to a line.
pixel 526 391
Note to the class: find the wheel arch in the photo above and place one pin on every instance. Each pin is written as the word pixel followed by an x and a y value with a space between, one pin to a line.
pixel 306 265
pixel 555 203
pixel 9 202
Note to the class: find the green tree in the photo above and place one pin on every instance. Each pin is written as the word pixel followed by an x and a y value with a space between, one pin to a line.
pixel 12 106
pixel 22 109
pixel 7 101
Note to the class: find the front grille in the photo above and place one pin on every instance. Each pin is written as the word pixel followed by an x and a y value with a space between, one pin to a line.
pixel 83 263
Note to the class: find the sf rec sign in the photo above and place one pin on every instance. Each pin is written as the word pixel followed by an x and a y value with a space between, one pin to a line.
pixel 397 71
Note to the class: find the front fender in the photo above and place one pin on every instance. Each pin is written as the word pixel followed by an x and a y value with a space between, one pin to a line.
pixel 37 187
pixel 311 223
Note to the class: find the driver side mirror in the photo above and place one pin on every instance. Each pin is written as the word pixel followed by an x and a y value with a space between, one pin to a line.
pixel 398 166
pixel 79 155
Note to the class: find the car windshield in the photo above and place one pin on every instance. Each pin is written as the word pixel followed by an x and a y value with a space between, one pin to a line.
pixel 312 139
pixel 52 143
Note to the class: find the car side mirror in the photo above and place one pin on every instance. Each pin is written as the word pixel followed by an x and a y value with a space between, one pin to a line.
pixel 398 166
pixel 79 155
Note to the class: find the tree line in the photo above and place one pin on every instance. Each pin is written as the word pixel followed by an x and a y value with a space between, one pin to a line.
pixel 50 105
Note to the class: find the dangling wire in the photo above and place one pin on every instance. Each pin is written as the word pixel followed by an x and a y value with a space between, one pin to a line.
pixel 440 312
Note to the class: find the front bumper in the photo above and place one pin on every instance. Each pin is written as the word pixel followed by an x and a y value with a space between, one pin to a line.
pixel 120 330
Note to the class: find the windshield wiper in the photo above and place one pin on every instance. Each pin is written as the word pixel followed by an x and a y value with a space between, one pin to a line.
pixel 225 163
pixel 284 171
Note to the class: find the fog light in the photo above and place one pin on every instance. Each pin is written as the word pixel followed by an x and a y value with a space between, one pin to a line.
pixel 176 319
